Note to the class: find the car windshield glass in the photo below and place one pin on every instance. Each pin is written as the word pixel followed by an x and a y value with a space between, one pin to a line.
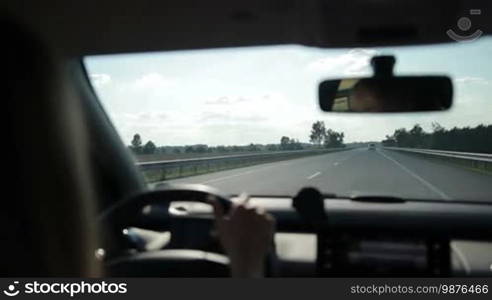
pixel 247 120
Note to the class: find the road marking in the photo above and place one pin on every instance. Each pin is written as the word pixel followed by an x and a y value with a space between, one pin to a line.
pixel 247 172
pixel 230 176
pixel 314 175
pixel 422 180
pixel 274 164
pixel 345 158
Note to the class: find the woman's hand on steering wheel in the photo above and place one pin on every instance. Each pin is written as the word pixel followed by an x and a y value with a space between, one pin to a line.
pixel 246 233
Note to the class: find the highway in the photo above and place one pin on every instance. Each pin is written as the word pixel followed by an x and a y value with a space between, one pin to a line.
pixel 358 171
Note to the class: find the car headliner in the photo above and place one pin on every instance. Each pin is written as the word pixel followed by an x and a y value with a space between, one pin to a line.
pixel 77 28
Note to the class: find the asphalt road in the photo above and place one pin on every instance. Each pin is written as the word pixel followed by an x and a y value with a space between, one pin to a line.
pixel 359 171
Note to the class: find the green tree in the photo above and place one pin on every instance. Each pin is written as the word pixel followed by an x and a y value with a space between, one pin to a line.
pixel 284 143
pixel 436 127
pixel 201 148
pixel 221 149
pixel 252 147
pixel 417 136
pixel 294 144
pixel 401 137
pixel 389 141
pixel 467 139
pixel 318 132
pixel 189 149
pixel 149 148
pixel 333 139
pixel 136 144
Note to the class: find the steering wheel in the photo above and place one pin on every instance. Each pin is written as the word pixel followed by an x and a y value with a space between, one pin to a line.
pixel 162 263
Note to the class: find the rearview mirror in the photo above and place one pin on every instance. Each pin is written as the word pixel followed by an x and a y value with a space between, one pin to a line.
pixel 386 93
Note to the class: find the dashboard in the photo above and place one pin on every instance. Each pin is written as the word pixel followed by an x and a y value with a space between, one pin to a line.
pixel 355 238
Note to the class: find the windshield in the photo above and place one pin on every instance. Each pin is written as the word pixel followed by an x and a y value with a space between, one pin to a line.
pixel 247 120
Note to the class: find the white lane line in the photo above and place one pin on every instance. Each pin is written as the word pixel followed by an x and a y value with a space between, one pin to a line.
pixel 245 173
pixel 345 159
pixel 314 175
pixel 251 171
pixel 422 180
pixel 232 176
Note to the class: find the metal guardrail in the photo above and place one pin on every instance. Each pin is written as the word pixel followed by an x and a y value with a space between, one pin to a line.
pixel 476 160
pixel 454 154
pixel 167 169
pixel 193 161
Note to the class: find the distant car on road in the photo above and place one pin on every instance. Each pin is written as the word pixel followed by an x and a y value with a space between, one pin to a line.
pixel 372 146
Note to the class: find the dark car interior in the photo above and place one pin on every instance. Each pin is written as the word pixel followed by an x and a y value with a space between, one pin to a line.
pixel 76 205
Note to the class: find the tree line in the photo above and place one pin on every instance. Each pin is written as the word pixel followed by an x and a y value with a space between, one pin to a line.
pixel 320 137
pixel 286 143
pixel 137 148
pixel 467 139
pixel 328 138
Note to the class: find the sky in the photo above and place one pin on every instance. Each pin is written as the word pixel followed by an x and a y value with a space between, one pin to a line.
pixel 238 96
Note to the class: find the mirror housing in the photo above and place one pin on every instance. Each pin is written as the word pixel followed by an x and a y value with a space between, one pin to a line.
pixel 386 93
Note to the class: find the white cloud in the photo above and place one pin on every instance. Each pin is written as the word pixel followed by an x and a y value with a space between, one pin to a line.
pixel 144 117
pixel 231 117
pixel 152 81
pixel 471 79
pixel 355 62
pixel 225 100
pixel 264 114
pixel 100 79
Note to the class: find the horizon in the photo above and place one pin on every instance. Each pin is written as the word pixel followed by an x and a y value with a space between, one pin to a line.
pixel 303 143
pixel 240 96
